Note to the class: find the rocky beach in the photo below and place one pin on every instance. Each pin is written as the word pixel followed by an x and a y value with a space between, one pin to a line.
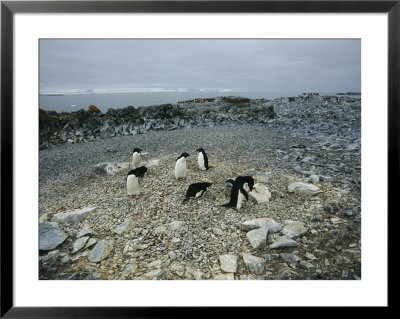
pixel 302 222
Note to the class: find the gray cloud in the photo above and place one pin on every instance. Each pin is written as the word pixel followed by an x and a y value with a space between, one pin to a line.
pixel 251 65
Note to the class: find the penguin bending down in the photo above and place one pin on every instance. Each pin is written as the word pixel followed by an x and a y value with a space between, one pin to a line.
pixel 180 166
pixel 196 190
pixel 202 159
pixel 248 182
pixel 238 194
pixel 138 172
pixel 136 158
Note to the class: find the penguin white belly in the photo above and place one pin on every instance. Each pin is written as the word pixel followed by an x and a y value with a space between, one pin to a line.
pixel 180 168
pixel 240 200
pixel 132 185
pixel 200 161
pixel 136 160
pixel 199 193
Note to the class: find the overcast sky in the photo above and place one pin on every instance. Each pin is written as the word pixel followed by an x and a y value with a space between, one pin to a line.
pixel 239 65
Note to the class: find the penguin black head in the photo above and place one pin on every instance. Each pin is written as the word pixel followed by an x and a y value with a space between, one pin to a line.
pixel 138 172
pixel 183 155
pixel 200 150
pixel 137 150
pixel 245 179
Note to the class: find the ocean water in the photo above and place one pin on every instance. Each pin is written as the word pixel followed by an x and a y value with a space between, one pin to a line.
pixel 104 101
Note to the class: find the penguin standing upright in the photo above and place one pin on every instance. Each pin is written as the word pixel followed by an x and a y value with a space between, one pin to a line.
pixel 238 193
pixel 180 166
pixel 202 159
pixel 196 190
pixel 136 158
pixel 132 185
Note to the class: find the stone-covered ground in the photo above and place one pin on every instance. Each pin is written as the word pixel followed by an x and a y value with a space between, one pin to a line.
pixel 313 139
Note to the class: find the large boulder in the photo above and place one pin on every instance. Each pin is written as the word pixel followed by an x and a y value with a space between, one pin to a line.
pixel 50 236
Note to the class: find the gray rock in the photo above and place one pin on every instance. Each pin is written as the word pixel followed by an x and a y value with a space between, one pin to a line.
pixel 303 188
pixel 128 270
pixel 326 179
pixel 90 242
pixel 73 216
pixel 228 263
pixel 160 230
pixel 258 237
pixel 268 223
pixel 283 242
pixel 106 168
pixel 306 264
pixel 289 258
pixel 126 226
pixel 317 218
pixel 293 229
pixel 50 236
pixel 100 251
pixel 314 179
pixel 254 264
pixel 79 244
pixel 310 256
pixel 84 232
pixel 175 226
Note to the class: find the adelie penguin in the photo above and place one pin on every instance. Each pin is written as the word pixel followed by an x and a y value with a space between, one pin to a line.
pixel 132 180
pixel 248 182
pixel 238 191
pixel 202 159
pixel 180 166
pixel 196 190
pixel 136 158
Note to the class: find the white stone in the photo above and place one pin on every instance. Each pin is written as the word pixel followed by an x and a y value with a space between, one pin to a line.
pixel 73 216
pixel 303 188
pixel 126 226
pixel 268 223
pixel 228 263
pixel 282 242
pixel 260 193
pixel 258 237
pixel 106 168
pixel 293 229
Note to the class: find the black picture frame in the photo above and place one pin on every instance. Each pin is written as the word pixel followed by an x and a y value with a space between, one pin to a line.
pixel 9 8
